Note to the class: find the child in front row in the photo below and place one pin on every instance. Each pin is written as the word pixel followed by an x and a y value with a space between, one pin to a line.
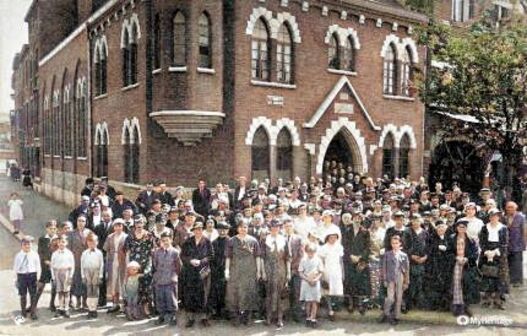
pixel 62 266
pixel 311 269
pixel 133 309
pixel 92 268
pixel 396 276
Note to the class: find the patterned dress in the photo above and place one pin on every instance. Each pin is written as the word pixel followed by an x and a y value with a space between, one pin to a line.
pixel 140 250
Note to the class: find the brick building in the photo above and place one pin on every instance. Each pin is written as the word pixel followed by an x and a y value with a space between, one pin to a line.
pixel 179 90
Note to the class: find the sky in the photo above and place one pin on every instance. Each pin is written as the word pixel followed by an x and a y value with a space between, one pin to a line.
pixel 13 34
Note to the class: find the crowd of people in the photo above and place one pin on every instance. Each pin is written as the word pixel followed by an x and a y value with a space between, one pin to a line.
pixel 276 252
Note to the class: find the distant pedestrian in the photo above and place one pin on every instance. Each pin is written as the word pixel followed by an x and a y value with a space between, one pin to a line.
pixel 16 215
pixel 26 179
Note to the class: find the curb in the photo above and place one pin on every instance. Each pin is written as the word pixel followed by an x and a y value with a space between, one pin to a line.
pixel 7 224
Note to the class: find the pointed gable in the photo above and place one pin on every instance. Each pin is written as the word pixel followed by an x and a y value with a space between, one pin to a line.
pixel 340 108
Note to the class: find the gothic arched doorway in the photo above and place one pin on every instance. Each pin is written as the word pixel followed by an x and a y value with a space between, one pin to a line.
pixel 457 162
pixel 339 154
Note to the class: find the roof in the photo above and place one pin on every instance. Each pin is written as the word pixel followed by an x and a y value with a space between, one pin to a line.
pixel 388 7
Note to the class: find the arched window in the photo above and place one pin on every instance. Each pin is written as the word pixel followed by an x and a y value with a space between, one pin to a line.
pixel 390 71
pixel 260 51
pixel 134 156
pixel 260 155
pixel 133 55
pixel 406 72
pixel 404 156
pixel 388 156
pixel 47 124
pixel 100 69
pixel 131 155
pixel 348 55
pixel 157 42
pixel 125 50
pixel 82 119
pixel 179 35
pixel 205 41
pixel 102 152
pixel 333 53
pixel 126 154
pixel 55 133
pixel 284 55
pixel 68 120
pixel 284 155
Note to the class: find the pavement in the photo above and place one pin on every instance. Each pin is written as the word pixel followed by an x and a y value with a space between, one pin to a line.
pixel 38 209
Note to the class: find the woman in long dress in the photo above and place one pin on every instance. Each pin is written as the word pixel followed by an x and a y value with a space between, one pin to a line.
pixel 493 264
pixel 276 272
pixel 139 246
pixel 242 270
pixel 115 263
pixel 77 245
pixel 196 253
pixel 331 254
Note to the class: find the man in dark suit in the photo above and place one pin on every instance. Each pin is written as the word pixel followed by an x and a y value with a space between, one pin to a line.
pixel 145 198
pixel 295 249
pixel 239 192
pixel 201 198
pixel 88 187
pixel 103 230
pixel 120 204
pixel 110 191
pixel 164 196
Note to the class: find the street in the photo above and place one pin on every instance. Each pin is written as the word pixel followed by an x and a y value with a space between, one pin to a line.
pixel 38 209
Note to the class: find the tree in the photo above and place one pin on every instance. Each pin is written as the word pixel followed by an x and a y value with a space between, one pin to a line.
pixel 482 79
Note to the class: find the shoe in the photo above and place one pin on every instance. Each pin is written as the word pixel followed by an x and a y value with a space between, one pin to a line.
pixel 34 316
pixel 113 309
pixel 308 323
pixel 89 316
pixel 173 321
pixel 52 308
pixel 66 314
pixel 279 324
pixel 468 312
pixel 314 324
pixel 160 320
pixel 351 309
pixel 267 322
pixel 362 311
pixel 331 317
pixel 393 322
pixel 58 313
pixel 94 314
pixel 190 324
pixel 383 319
pixel 205 322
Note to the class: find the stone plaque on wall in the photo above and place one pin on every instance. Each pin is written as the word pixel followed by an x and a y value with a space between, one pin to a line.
pixel 343 108
pixel 275 100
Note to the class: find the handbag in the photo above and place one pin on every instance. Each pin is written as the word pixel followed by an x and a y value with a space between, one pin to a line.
pixel 204 272
pixel 490 271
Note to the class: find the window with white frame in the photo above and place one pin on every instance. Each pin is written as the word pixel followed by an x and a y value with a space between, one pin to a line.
pixel 100 68
pixel 179 36
pixel 334 53
pixel 284 55
pixel 205 41
pixel 260 46
pixel 406 72
pixel 390 70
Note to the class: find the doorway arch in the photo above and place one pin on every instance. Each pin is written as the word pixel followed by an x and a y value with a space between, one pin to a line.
pixel 343 136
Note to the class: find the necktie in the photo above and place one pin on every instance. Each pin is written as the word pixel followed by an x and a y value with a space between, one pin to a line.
pixel 25 264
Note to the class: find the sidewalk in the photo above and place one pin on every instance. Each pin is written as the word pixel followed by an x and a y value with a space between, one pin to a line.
pixel 37 208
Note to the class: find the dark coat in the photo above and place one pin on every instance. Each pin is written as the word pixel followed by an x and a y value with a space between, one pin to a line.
pixel 144 201
pixel 357 280
pixel 166 198
pixel 192 285
pixel 201 201
pixel 118 208
pixel 438 272
pixel 218 283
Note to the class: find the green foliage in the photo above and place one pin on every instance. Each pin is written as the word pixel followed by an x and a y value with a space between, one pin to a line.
pixel 485 77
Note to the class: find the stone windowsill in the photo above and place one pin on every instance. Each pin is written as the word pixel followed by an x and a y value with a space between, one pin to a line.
pixel 156 71
pixel 208 71
pixel 342 72
pixel 273 84
pixel 404 98
pixel 56 156
pixel 130 87
pixel 47 155
pixel 82 158
pixel 104 95
pixel 68 157
pixel 177 69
